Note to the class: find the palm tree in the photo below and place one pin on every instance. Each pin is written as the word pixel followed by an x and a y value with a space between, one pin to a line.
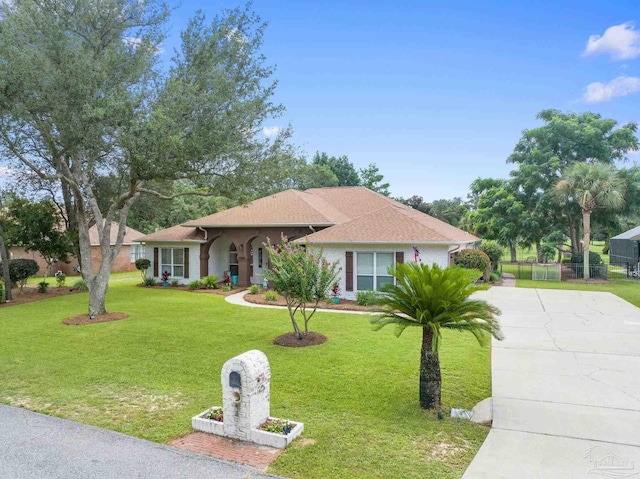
pixel 591 185
pixel 433 299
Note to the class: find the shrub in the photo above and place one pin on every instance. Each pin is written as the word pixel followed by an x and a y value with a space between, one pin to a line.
pixel 42 287
pixel 175 283
pixel 20 270
pixel 1 293
pixel 149 282
pixel 80 285
pixel 594 258
pixel 367 298
pixel 210 282
pixel 165 276
pixel 226 279
pixel 193 285
pixel 142 265
pixel 493 277
pixel 61 278
pixel 254 289
pixel 548 251
pixel 494 251
pixel 474 259
pixel 271 296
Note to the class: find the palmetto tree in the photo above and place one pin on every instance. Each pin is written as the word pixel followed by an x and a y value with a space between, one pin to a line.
pixel 591 185
pixel 434 299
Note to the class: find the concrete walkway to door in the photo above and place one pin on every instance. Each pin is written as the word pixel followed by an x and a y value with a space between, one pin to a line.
pixel 566 387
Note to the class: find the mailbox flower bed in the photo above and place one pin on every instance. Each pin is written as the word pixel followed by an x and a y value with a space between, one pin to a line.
pixel 216 414
pixel 278 426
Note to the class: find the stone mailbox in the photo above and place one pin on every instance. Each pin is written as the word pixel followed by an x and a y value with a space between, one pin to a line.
pixel 245 393
pixel 246 389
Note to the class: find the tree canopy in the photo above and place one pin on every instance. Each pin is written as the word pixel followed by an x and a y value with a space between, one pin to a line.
pixel 82 98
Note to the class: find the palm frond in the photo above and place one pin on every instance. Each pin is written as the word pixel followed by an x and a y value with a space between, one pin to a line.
pixel 437 298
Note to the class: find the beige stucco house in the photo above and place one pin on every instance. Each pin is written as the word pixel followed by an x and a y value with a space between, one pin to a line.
pixel 365 231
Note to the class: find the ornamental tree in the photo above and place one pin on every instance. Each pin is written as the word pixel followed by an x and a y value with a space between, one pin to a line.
pixel 434 299
pixel 303 276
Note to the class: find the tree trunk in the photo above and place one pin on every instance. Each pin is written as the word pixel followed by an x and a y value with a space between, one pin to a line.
pixel 539 252
pixel 586 220
pixel 514 253
pixel 430 379
pixel 573 236
pixel 4 258
pixel 97 293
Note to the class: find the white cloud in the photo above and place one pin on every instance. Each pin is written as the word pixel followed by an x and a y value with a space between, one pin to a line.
pixel 620 42
pixel 135 42
pixel 271 131
pixel 5 172
pixel 622 86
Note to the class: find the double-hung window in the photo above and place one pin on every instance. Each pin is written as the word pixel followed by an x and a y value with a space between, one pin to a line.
pixel 172 260
pixel 372 270
pixel 137 251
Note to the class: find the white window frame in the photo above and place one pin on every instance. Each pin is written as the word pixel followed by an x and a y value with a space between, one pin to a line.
pixel 375 273
pixel 137 251
pixel 172 265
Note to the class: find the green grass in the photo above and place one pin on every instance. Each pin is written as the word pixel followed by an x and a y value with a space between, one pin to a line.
pixel 149 374
pixel 523 254
pixel 627 289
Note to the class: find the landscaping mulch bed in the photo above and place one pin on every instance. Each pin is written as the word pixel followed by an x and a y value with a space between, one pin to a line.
pixel 183 287
pixel 83 319
pixel 291 340
pixel 343 305
pixel 30 294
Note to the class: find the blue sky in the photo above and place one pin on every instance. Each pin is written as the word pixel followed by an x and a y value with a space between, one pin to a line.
pixel 437 93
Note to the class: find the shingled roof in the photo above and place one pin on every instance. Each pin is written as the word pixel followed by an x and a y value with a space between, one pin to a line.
pixel 348 214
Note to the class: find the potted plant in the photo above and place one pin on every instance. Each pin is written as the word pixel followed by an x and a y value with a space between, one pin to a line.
pixel 226 281
pixel 165 278
pixel 335 293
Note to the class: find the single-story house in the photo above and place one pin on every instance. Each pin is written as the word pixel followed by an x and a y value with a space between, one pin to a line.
pixel 367 232
pixel 125 261
pixel 624 248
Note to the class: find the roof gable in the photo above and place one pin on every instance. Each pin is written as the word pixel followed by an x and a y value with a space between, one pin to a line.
pixel 290 207
pixel 393 224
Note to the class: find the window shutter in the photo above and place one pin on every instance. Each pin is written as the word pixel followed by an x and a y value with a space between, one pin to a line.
pixel 349 270
pixel 399 257
pixel 155 262
pixel 186 262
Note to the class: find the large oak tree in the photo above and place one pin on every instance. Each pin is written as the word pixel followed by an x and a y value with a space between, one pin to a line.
pixel 83 97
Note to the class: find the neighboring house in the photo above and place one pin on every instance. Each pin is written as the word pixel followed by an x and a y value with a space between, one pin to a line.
pixel 125 261
pixel 367 232
pixel 624 249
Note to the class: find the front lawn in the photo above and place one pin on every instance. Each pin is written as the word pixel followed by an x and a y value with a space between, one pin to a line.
pixel 627 288
pixel 149 374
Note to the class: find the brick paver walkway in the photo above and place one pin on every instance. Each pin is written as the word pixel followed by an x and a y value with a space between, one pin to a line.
pixel 228 449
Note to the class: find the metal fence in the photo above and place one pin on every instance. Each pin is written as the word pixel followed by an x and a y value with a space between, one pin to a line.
pixel 535 271
pixel 564 271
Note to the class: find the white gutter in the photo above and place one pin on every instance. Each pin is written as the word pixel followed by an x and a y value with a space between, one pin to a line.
pixel 206 233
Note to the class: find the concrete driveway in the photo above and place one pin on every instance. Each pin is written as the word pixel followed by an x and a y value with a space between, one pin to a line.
pixel 566 387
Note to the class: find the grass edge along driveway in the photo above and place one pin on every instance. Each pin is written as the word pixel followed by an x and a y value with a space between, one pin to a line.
pixel 149 374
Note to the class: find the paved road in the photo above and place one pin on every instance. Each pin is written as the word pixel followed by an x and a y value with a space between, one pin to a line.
pixel 35 446
pixel 566 387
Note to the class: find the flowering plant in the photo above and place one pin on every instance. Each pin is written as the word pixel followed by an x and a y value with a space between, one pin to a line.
pixel 216 414
pixel 165 276
pixel 279 426
pixel 335 290
pixel 302 275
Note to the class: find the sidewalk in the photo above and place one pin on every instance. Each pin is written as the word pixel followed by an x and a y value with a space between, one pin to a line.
pixel 238 299
pixel 34 445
